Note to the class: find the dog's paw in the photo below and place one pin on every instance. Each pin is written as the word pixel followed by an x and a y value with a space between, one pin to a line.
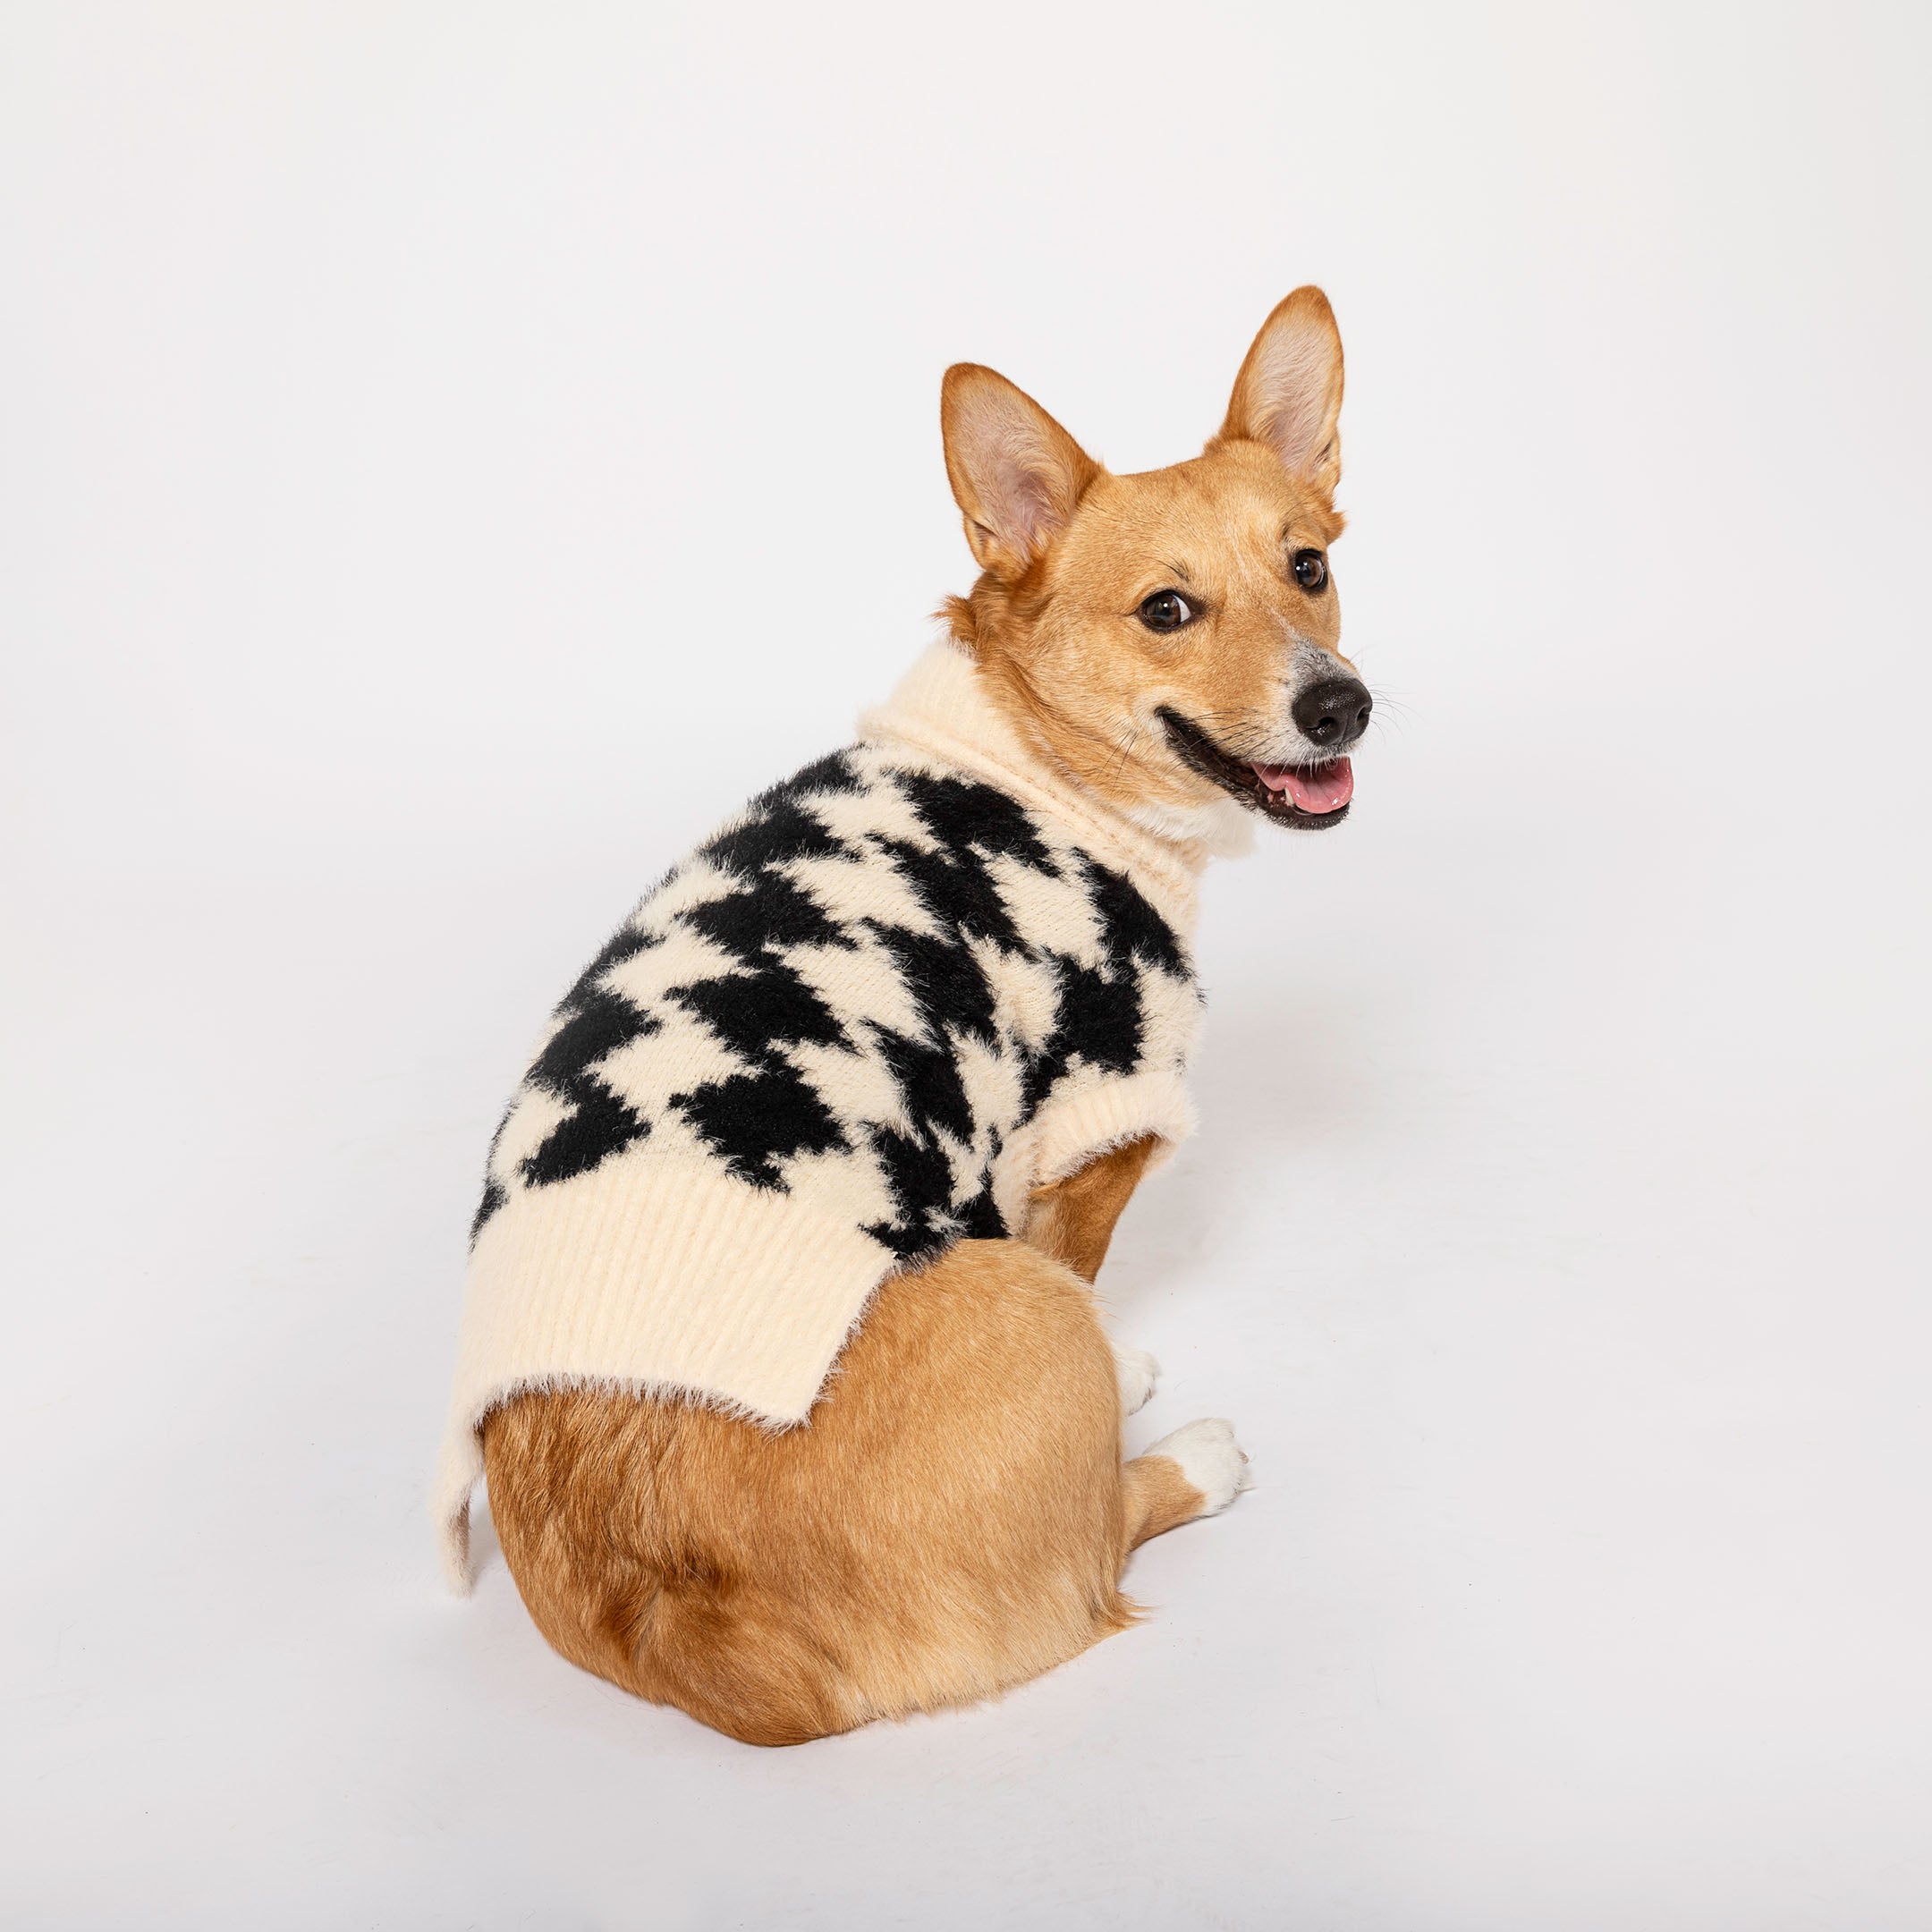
pixel 1209 1458
pixel 1138 1374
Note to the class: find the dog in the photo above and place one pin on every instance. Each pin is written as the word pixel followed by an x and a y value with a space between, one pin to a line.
pixel 791 1463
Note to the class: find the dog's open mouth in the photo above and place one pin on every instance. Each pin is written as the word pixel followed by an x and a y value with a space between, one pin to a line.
pixel 1306 795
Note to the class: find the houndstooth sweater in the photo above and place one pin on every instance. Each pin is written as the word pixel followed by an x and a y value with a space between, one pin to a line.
pixel 903 989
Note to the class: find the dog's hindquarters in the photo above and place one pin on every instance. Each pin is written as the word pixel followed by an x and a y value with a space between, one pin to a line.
pixel 951 1521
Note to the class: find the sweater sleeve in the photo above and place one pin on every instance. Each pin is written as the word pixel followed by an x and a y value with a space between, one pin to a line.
pixel 1092 1110
pixel 1094 1106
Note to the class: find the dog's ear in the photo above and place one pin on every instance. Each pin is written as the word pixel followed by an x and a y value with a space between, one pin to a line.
pixel 1289 392
pixel 1016 474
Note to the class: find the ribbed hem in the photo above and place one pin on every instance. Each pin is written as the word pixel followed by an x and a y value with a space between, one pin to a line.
pixel 666 1276
pixel 1086 1121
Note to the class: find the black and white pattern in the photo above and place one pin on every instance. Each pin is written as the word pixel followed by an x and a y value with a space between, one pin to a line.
pixel 863 991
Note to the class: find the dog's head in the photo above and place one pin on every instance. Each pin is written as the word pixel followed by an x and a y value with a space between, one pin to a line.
pixel 1172 636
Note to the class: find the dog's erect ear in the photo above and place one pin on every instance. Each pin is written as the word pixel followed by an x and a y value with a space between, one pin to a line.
pixel 1289 392
pixel 1015 473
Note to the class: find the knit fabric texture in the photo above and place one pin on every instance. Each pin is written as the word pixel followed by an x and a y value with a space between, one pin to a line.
pixel 867 1018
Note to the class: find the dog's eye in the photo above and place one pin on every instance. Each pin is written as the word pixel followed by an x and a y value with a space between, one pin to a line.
pixel 1165 610
pixel 1310 569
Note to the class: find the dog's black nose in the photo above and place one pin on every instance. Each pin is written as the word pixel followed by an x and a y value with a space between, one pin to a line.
pixel 1334 713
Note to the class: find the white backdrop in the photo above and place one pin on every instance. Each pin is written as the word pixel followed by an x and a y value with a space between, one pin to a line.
pixel 451 456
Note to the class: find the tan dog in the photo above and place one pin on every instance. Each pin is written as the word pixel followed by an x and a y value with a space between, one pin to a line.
pixel 955 1516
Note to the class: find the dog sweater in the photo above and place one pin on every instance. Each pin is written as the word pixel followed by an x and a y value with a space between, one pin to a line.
pixel 901 990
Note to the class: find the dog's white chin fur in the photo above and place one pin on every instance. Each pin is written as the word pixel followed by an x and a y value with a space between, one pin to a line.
pixel 1226 829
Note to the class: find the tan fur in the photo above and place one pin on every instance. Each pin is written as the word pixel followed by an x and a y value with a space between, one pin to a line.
pixel 1072 1220
pixel 1052 619
pixel 953 1518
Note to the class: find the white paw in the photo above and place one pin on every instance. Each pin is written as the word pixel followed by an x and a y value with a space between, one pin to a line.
pixel 1138 1372
pixel 1209 1458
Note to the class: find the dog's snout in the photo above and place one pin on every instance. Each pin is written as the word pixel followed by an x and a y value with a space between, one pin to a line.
pixel 1334 713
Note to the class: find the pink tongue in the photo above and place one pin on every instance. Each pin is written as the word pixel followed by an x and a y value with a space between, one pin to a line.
pixel 1326 789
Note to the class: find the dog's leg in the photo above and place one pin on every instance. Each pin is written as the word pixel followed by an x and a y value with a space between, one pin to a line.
pixel 1197 1470
pixel 1074 1221
pixel 1139 1375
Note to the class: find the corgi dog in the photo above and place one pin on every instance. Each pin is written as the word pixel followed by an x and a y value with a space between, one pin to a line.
pixel 943 1511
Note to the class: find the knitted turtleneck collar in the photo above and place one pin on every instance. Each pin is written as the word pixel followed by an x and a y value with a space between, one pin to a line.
pixel 941 706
